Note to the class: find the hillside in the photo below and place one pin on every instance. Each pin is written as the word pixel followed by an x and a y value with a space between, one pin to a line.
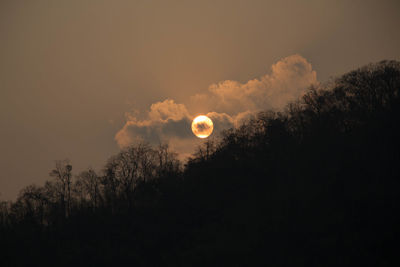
pixel 314 185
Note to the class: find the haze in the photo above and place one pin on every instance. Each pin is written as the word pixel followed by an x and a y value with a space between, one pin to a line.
pixel 70 71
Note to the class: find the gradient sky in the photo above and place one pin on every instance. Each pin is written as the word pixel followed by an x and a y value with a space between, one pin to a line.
pixel 72 73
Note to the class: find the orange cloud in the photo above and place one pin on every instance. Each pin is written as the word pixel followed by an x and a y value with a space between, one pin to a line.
pixel 228 103
pixel 288 80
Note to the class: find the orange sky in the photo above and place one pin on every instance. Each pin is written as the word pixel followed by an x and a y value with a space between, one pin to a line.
pixel 70 71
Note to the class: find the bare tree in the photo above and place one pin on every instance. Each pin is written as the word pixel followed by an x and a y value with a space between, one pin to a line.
pixel 90 184
pixel 167 160
pixel 62 173
pixel 205 150
pixel 130 167
pixel 34 199
pixel 4 212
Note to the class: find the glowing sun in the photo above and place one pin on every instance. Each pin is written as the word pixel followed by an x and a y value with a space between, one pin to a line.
pixel 202 126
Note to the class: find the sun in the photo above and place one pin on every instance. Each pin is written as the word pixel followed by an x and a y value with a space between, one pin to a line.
pixel 202 126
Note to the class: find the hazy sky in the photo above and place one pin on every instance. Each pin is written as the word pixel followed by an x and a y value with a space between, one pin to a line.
pixel 79 79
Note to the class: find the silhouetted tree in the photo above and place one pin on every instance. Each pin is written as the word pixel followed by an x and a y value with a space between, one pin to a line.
pixel 62 174
pixel 313 185
pixel 89 185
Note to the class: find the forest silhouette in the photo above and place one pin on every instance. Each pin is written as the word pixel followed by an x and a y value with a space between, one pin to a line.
pixel 316 184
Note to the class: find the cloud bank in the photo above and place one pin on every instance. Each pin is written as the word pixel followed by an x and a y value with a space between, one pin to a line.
pixel 227 103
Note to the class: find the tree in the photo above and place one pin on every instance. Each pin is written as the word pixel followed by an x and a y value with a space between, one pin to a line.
pixel 35 202
pixel 167 161
pixel 62 174
pixel 90 184
pixel 4 213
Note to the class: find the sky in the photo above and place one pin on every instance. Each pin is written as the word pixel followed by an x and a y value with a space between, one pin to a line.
pixel 83 79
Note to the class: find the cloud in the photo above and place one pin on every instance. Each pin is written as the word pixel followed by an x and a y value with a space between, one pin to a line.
pixel 168 122
pixel 167 110
pixel 165 120
pixel 288 80
pixel 228 104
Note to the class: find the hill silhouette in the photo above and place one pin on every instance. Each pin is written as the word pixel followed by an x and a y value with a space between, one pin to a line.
pixel 314 185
